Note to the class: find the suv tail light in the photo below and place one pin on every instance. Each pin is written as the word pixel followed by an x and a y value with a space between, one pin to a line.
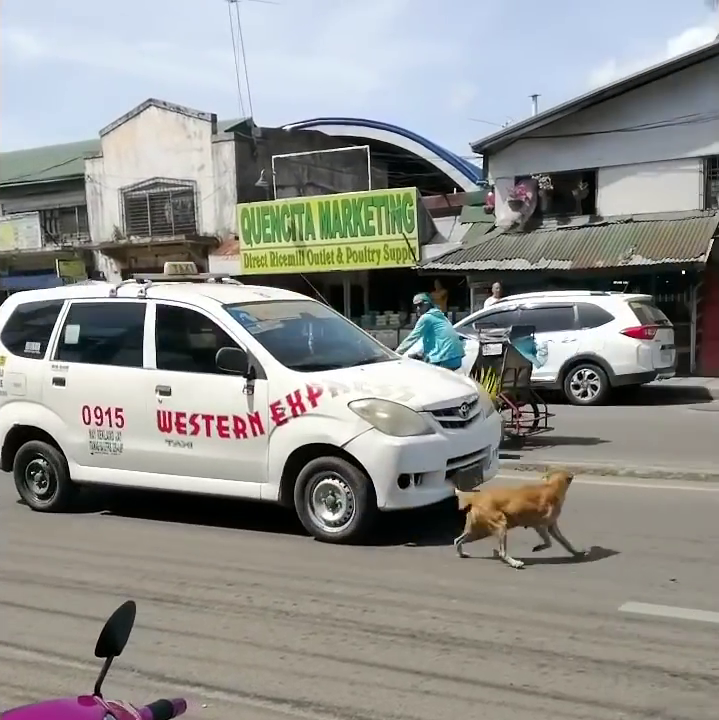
pixel 641 332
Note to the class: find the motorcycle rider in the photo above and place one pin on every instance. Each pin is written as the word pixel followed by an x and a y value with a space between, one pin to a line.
pixel 441 343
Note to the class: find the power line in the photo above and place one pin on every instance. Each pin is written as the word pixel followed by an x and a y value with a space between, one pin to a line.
pixel 236 57
pixel 244 56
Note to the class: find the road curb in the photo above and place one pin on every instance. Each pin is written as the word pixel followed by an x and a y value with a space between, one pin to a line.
pixel 608 470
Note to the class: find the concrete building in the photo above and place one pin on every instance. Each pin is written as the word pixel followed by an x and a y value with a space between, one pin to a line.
pixel 162 181
pixel 616 189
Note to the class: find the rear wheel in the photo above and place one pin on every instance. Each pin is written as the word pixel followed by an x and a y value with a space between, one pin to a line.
pixel 335 500
pixel 42 477
pixel 586 384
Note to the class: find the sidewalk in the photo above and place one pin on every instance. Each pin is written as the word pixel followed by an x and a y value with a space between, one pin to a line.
pixel 691 386
pixel 669 432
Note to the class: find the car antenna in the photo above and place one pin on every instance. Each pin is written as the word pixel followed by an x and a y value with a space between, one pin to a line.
pixel 314 289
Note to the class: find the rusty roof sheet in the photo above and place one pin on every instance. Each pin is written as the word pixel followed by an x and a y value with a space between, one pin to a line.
pixel 626 241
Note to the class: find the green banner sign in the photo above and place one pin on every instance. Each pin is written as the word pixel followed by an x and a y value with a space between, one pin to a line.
pixel 350 231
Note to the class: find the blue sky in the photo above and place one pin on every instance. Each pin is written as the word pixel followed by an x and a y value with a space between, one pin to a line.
pixel 69 67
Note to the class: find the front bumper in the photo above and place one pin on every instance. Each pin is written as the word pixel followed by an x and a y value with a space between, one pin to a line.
pixel 412 472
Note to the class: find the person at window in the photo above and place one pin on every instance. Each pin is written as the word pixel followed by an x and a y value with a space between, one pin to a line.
pixel 441 345
pixel 440 296
pixel 495 296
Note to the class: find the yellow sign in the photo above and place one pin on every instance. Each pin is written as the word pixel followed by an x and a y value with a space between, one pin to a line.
pixel 349 231
pixel 20 231
pixel 73 270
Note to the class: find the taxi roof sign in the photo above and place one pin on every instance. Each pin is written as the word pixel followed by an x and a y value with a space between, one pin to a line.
pixel 179 268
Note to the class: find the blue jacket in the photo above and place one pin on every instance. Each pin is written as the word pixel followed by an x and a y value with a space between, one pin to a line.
pixel 440 340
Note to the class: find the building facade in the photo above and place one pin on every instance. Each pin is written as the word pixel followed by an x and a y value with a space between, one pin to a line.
pixel 162 183
pixel 617 189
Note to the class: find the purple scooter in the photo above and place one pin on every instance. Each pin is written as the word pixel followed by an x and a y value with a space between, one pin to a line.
pixel 110 644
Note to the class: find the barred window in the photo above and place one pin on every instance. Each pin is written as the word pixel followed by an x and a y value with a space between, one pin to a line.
pixel 160 209
pixel 711 183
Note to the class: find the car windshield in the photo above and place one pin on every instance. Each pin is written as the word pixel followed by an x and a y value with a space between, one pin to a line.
pixel 308 336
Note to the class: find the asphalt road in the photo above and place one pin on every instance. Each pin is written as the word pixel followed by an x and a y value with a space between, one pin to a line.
pixel 653 428
pixel 250 619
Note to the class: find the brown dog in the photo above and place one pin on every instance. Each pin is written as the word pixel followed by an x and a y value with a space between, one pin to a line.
pixel 496 510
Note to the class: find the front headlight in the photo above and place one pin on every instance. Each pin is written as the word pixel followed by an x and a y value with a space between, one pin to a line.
pixel 391 418
pixel 486 402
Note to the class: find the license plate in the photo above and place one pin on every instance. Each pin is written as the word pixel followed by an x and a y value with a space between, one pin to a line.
pixel 468 478
pixel 492 349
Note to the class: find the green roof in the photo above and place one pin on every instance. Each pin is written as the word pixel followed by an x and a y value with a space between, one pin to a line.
pixel 582 244
pixel 46 164
pixel 56 162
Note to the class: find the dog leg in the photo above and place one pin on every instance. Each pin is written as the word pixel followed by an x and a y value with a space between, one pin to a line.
pixel 546 539
pixel 459 543
pixel 502 553
pixel 556 533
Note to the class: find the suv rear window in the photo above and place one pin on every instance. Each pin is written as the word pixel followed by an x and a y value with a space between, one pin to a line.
pixel 648 314
pixel 28 329
pixel 592 316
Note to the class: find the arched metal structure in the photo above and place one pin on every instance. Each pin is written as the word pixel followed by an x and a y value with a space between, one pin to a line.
pixel 462 173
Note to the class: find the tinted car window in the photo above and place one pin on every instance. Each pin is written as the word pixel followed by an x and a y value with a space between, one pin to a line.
pixel 549 318
pixel 188 341
pixel 498 318
pixel 28 329
pixel 649 314
pixel 106 333
pixel 592 316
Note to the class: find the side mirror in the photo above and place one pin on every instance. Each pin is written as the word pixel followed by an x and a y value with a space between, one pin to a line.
pixel 116 632
pixel 113 638
pixel 233 360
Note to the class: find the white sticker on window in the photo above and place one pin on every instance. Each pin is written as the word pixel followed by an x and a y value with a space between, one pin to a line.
pixel 72 334
pixel 33 348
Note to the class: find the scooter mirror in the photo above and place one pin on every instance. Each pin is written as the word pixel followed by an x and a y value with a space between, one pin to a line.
pixel 116 632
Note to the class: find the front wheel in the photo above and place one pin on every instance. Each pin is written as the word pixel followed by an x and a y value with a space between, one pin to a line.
pixel 42 477
pixel 586 384
pixel 335 500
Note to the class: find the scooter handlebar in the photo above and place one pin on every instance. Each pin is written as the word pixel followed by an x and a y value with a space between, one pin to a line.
pixel 163 709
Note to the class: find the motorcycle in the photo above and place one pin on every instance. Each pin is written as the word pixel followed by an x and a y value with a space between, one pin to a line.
pixel 110 645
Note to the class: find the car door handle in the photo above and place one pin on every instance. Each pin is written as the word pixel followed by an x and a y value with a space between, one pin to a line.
pixel 59 381
pixel 163 390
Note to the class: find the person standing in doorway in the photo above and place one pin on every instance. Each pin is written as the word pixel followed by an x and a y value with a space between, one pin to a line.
pixel 440 296
pixel 495 296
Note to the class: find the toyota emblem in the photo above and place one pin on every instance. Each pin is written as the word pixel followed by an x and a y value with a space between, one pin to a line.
pixel 464 411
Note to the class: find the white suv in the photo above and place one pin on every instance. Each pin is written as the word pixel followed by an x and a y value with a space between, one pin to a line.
pixel 198 384
pixel 595 341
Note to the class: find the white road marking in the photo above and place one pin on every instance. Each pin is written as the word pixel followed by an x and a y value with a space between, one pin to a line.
pixel 669 611
pixel 655 485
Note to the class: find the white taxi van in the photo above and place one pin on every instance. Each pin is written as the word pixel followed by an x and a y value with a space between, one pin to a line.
pixel 196 383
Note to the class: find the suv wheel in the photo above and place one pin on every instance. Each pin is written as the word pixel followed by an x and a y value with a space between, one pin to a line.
pixel 335 500
pixel 42 477
pixel 586 384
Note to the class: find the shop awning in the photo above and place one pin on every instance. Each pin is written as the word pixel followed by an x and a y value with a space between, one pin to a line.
pixel 683 238
pixel 15 283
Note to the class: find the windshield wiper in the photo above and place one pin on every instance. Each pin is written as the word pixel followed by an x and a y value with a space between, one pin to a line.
pixel 369 361
pixel 314 366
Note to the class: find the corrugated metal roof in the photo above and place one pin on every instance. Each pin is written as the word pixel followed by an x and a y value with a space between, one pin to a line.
pixel 662 239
